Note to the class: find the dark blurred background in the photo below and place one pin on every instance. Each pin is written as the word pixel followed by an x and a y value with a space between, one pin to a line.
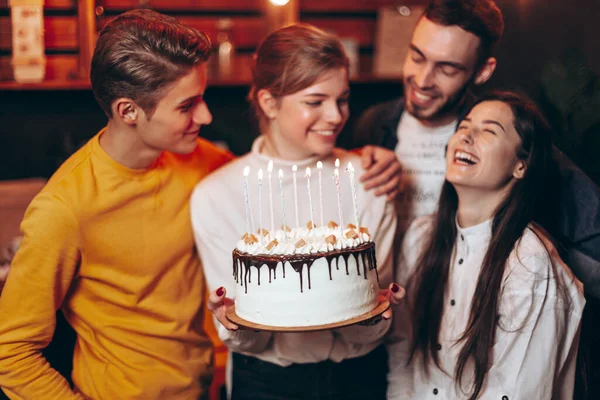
pixel 548 49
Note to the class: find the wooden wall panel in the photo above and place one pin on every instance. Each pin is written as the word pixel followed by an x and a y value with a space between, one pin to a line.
pixel 5 33
pixel 355 19
pixel 362 29
pixel 228 5
pixel 60 33
pixel 50 4
pixel 246 32
pixel 58 67
pixel 352 6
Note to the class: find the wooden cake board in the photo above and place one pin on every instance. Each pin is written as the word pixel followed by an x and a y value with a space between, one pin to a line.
pixel 382 306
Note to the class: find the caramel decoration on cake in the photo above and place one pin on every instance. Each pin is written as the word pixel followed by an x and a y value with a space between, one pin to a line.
pixel 263 230
pixel 351 234
pixel 331 239
pixel 250 239
pixel 364 230
pixel 300 243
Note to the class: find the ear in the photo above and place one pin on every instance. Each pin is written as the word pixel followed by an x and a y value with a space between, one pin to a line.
pixel 267 103
pixel 126 110
pixel 519 170
pixel 486 71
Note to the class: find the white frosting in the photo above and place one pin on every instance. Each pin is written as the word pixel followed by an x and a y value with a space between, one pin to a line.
pixel 314 238
pixel 289 301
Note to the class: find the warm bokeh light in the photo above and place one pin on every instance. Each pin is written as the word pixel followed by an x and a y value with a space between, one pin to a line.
pixel 279 2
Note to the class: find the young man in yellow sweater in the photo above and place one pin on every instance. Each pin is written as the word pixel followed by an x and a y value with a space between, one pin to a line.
pixel 109 239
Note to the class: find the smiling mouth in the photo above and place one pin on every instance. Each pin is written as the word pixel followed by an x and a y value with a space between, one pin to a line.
pixel 324 133
pixel 462 157
pixel 422 97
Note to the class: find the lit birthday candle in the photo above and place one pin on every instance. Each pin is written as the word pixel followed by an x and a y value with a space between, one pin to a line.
pixel 320 168
pixel 282 206
pixel 310 205
pixel 247 200
pixel 336 177
pixel 260 228
pixel 270 170
pixel 350 169
pixel 294 169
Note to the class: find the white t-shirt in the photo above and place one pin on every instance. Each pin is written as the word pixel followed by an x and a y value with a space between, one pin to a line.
pixel 421 151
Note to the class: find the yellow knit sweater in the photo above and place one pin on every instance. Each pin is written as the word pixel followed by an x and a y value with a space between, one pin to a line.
pixel 112 247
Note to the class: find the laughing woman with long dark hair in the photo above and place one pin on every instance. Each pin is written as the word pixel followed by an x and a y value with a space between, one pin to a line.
pixel 492 311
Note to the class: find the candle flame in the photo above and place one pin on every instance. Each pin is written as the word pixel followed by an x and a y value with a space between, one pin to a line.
pixel 350 167
pixel 308 171
pixel 260 175
pixel 294 168
pixel 270 166
pixel 280 174
pixel 246 171
pixel 337 162
pixel 320 165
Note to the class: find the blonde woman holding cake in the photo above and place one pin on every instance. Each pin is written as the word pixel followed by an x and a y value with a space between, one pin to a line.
pixel 495 312
pixel 300 94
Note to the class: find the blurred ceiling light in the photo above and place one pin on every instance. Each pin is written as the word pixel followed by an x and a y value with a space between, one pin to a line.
pixel 279 2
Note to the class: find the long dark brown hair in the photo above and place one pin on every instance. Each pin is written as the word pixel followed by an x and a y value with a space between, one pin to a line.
pixel 509 222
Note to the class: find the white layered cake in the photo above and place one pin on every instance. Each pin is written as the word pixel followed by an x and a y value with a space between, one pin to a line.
pixel 305 277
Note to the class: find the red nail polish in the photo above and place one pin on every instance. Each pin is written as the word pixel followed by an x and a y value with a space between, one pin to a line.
pixel 220 291
pixel 395 288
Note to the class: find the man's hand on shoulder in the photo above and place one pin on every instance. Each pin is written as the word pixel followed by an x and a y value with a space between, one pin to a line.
pixel 382 171
pixel 7 252
pixel 4 267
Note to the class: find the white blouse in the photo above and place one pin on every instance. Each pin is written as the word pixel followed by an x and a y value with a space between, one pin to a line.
pixel 535 349
pixel 218 220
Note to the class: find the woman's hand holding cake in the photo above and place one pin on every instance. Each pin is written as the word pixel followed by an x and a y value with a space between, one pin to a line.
pixel 395 293
pixel 218 303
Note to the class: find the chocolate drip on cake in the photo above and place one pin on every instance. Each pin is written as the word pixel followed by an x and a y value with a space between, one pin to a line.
pixel 373 262
pixel 298 267
pixel 346 256
pixel 274 274
pixel 243 262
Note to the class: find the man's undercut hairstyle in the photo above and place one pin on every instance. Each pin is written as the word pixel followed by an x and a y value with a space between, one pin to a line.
pixel 482 18
pixel 140 54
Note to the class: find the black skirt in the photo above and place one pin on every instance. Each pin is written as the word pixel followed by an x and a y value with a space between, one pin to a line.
pixel 352 379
